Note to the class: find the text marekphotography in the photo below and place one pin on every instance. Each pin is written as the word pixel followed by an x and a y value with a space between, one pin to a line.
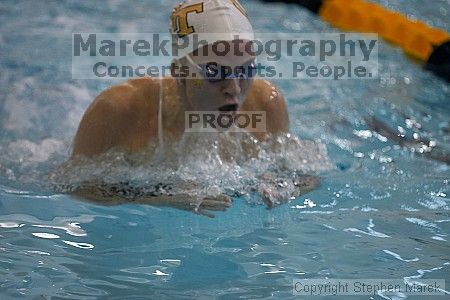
pixel 335 56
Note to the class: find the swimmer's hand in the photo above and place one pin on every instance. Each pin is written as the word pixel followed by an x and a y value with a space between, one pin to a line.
pixel 112 194
pixel 276 191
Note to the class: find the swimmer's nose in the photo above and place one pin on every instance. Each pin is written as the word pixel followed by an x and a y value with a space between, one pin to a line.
pixel 231 87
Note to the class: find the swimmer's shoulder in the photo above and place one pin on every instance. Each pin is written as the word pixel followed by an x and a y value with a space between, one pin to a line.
pixel 128 97
pixel 265 96
pixel 123 115
pixel 141 93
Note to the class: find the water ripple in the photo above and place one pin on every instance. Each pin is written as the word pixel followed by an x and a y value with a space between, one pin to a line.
pixel 397 256
pixel 369 231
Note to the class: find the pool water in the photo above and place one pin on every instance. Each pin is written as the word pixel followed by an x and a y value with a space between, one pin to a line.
pixel 382 211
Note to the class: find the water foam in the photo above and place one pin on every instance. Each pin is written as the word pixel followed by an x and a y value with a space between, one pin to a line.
pixel 201 165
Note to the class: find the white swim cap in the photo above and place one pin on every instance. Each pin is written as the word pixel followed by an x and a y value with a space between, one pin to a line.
pixel 211 20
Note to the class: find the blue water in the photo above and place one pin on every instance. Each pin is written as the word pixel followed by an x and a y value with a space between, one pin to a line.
pixel 382 211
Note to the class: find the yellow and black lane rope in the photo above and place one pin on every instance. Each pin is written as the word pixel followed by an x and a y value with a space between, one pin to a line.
pixel 417 39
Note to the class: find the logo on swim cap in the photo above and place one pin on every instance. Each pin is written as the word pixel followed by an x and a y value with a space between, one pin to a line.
pixel 179 18
pixel 180 23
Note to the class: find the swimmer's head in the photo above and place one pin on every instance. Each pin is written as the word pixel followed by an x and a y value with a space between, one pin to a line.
pixel 212 39
pixel 209 21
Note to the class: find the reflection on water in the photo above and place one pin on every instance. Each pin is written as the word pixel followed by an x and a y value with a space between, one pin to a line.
pixel 125 248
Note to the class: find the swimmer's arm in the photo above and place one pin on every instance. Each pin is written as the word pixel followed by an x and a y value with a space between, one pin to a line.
pixel 121 193
pixel 266 97
pixel 118 117
pixel 277 113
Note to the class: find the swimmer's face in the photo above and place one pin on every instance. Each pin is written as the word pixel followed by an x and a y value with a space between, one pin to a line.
pixel 222 82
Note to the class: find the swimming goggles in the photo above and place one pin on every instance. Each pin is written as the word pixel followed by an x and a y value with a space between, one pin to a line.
pixel 214 72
